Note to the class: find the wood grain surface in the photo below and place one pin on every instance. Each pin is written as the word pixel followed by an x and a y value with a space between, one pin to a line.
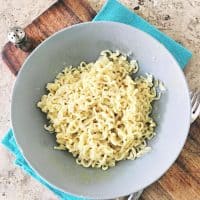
pixel 182 180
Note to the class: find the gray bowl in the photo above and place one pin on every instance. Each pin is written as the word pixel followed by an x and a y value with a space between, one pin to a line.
pixel 84 42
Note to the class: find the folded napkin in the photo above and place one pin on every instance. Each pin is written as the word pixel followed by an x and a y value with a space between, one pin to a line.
pixel 111 11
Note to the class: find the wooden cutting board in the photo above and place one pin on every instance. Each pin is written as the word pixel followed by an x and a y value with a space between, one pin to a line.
pixel 182 181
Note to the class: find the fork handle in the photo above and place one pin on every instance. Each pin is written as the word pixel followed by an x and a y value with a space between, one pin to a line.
pixel 135 196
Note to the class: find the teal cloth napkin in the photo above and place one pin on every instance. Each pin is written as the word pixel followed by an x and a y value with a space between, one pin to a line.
pixel 111 11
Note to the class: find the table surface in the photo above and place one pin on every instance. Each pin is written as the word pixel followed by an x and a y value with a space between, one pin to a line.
pixel 180 19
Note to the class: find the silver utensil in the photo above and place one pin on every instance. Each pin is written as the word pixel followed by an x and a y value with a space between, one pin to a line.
pixel 195 105
pixel 195 112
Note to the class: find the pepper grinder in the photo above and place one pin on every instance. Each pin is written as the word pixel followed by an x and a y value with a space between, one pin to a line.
pixel 18 37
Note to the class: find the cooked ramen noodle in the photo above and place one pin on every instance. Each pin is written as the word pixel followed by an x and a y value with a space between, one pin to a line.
pixel 100 112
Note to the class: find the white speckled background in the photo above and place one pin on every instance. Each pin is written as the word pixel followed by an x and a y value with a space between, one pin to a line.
pixel 180 19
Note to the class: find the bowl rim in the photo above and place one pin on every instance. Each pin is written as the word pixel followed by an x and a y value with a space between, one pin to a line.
pixel 24 66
